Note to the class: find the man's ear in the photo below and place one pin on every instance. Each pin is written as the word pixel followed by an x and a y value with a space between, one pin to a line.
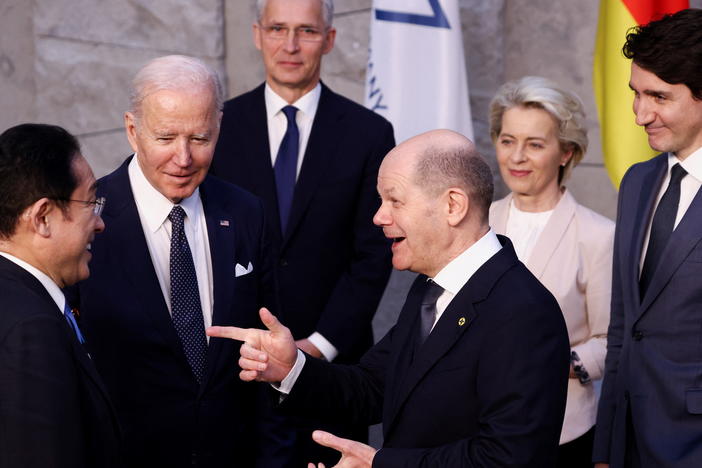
pixel 457 205
pixel 36 217
pixel 130 127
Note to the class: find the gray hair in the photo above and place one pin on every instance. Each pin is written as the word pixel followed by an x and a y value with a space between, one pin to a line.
pixel 564 106
pixel 459 165
pixel 327 11
pixel 174 72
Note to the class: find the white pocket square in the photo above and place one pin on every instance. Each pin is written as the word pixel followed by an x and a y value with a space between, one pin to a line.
pixel 241 271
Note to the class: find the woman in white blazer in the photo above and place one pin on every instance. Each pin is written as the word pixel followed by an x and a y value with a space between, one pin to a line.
pixel 539 136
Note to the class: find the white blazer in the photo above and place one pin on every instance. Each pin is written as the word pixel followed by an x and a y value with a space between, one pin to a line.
pixel 573 259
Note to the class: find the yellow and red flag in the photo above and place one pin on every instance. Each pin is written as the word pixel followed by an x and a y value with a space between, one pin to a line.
pixel 623 142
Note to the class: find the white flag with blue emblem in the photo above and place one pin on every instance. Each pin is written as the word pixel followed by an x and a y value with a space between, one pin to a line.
pixel 416 76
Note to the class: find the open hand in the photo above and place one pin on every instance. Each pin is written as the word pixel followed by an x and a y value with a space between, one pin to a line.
pixel 353 454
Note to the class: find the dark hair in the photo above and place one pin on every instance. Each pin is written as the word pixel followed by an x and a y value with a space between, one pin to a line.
pixel 670 48
pixel 35 162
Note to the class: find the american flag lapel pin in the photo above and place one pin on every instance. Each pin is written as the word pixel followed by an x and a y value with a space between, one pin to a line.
pixel 224 222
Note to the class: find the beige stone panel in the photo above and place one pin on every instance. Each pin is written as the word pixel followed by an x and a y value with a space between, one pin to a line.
pixel 17 88
pixel 85 86
pixel 555 40
pixel 590 185
pixel 342 7
pixel 105 151
pixel 243 61
pixel 344 68
pixel 192 27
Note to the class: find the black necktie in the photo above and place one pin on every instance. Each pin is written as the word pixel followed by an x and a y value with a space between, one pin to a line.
pixel 286 166
pixel 185 297
pixel 428 309
pixel 661 227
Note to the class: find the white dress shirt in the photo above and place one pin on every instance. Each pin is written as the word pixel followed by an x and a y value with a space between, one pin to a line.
pixel 452 278
pixel 689 185
pixel 277 126
pixel 51 287
pixel 524 229
pixel 153 210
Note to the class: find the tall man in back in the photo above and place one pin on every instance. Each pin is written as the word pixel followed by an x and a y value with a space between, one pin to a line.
pixel 313 157
pixel 474 373
pixel 184 250
pixel 54 409
pixel 650 412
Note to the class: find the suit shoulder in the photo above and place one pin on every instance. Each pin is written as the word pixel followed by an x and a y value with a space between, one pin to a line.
pixel 594 221
pixel 22 305
pixel 498 206
pixel 357 110
pixel 223 190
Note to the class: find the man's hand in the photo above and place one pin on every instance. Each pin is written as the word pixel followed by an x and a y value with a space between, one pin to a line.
pixel 307 346
pixel 353 454
pixel 266 355
pixel 601 465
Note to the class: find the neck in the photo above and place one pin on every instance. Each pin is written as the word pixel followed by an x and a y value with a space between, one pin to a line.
pixel 537 203
pixel 290 95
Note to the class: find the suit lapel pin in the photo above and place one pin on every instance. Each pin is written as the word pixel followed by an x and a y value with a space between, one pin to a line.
pixel 461 321
pixel 224 222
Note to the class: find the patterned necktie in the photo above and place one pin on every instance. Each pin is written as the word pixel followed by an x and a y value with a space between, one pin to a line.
pixel 286 166
pixel 661 227
pixel 71 319
pixel 185 297
pixel 428 309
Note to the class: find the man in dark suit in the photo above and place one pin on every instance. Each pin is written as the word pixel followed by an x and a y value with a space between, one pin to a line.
pixel 475 371
pixel 650 411
pixel 184 250
pixel 313 157
pixel 54 410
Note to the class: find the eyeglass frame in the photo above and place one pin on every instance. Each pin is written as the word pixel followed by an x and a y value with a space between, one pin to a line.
pixel 268 32
pixel 98 203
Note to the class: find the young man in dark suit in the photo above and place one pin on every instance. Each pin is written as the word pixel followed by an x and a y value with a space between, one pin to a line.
pixel 650 411
pixel 475 371
pixel 313 157
pixel 184 250
pixel 54 410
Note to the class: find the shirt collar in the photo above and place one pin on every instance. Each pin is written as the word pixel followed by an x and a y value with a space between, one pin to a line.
pixel 307 104
pixel 51 287
pixel 692 164
pixel 458 271
pixel 154 207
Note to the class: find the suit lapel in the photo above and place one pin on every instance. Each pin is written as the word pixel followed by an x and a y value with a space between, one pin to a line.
pixel 222 239
pixel 551 236
pixel 683 239
pixel 456 319
pixel 320 147
pixel 647 193
pixel 130 247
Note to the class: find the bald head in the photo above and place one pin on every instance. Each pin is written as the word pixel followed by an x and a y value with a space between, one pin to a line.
pixel 442 159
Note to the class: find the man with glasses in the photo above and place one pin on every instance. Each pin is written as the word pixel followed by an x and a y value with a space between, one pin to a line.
pixel 313 157
pixel 54 410
pixel 183 250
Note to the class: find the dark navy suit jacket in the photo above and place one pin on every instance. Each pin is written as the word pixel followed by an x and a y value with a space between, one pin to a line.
pixel 170 420
pixel 653 368
pixel 332 262
pixel 54 409
pixel 487 388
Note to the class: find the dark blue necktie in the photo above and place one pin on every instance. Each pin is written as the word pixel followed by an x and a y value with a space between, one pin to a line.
pixel 286 166
pixel 185 297
pixel 71 319
pixel 661 227
pixel 428 309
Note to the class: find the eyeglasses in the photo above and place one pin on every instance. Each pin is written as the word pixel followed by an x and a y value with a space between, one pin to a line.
pixel 302 33
pixel 98 204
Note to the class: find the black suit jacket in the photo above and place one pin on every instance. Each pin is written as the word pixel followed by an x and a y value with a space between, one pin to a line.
pixel 54 410
pixel 487 388
pixel 170 420
pixel 333 263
